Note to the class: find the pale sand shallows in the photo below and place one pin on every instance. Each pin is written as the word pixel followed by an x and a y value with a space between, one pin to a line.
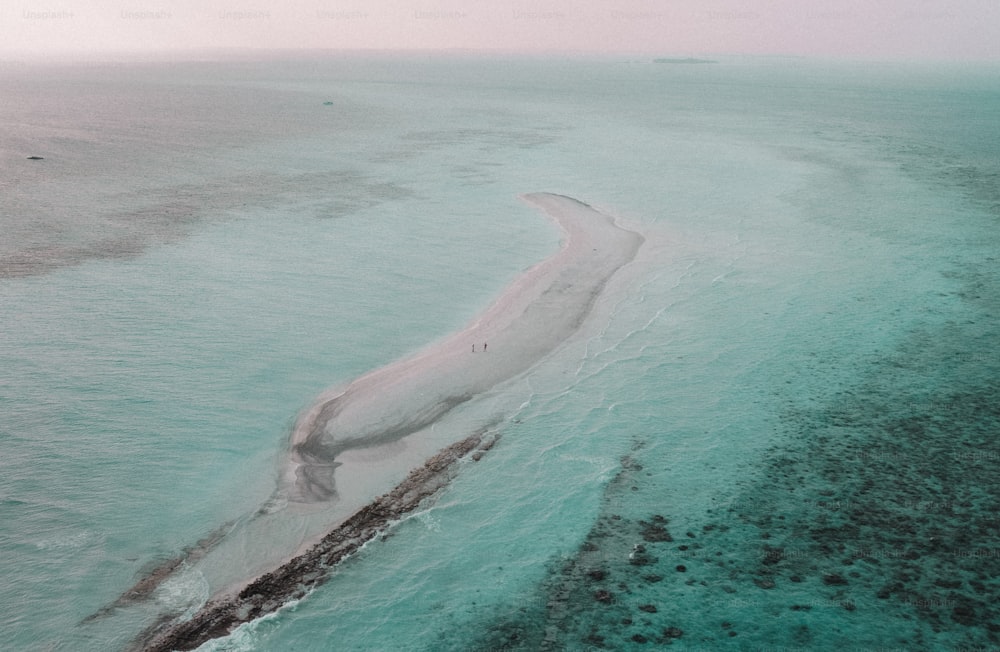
pixel 533 316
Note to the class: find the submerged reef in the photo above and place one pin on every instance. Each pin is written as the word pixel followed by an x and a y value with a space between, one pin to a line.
pixel 872 521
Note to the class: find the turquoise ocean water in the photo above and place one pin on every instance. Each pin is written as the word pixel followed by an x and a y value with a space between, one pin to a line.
pixel 778 429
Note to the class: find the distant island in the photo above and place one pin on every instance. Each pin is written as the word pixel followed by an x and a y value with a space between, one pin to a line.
pixel 688 60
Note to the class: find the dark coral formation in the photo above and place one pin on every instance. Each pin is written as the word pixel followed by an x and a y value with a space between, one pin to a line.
pixel 873 521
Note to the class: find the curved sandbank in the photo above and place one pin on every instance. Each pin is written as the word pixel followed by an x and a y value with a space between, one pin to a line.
pixel 532 317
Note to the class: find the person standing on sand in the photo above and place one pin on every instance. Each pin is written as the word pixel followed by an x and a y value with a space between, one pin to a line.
pixel 484 347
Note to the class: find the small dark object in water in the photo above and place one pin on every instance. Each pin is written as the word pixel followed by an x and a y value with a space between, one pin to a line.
pixel 35 158
pixel 654 533
pixel 639 557
pixel 964 614
pixel 603 596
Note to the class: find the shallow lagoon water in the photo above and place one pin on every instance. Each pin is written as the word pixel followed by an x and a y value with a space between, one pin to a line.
pixel 796 370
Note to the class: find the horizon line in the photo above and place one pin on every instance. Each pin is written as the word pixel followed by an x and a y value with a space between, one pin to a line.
pixel 221 54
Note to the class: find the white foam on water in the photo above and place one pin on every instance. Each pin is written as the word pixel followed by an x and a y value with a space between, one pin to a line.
pixel 68 542
pixel 183 592
pixel 246 637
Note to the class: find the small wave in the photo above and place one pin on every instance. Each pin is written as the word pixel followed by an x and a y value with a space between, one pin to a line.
pixel 246 637
pixel 184 592
pixel 429 520
pixel 63 542
pixel 596 462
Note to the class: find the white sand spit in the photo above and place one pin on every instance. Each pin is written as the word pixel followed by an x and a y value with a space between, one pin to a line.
pixel 533 316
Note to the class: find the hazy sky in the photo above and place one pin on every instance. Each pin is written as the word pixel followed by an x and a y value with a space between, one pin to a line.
pixel 910 29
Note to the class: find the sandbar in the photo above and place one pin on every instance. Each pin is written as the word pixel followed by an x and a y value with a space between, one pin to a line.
pixel 539 311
